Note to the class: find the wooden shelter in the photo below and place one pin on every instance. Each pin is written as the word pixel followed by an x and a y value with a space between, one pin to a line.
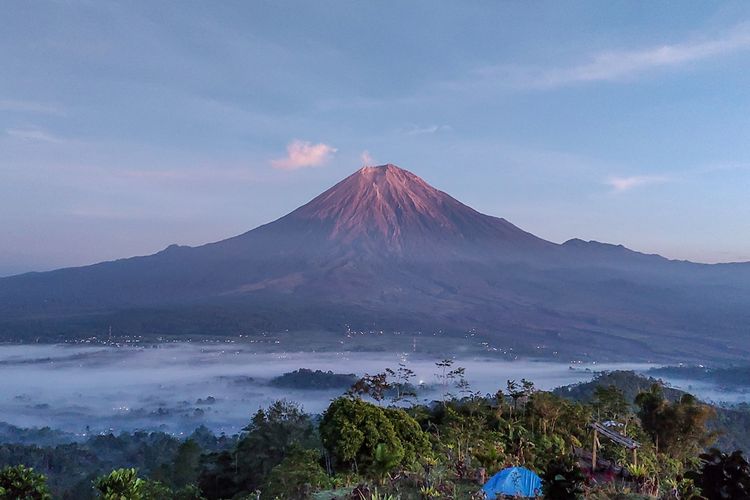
pixel 614 436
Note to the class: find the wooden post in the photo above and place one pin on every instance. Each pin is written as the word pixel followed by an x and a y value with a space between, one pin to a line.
pixel 481 475
pixel 593 453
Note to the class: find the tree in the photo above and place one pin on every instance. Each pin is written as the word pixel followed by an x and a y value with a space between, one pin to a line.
pixel 444 376
pixel 413 439
pixel 218 477
pixel 23 483
pixel 463 385
pixel 376 386
pixel 124 484
pixel 651 407
pixel 189 492
pixel 546 409
pixel 677 429
pixel 352 429
pixel 154 490
pixel 723 476
pixel 121 484
pixel 515 392
pixel 609 403
pixel 186 464
pixel 269 437
pixel 402 387
pixel 296 476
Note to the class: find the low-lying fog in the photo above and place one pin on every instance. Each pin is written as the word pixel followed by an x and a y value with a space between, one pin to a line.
pixel 176 387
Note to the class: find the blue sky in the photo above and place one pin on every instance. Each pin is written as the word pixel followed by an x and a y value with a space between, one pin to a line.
pixel 125 127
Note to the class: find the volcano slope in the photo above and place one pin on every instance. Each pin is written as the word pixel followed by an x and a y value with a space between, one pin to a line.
pixel 384 250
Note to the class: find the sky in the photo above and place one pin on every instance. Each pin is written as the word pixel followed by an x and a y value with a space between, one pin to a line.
pixel 129 126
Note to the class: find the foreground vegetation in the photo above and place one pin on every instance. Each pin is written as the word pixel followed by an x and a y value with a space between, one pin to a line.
pixel 375 443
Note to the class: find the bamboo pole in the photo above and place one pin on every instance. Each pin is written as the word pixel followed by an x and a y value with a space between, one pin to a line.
pixel 593 453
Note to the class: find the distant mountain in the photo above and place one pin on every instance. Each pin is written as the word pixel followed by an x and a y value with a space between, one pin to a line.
pixel 383 249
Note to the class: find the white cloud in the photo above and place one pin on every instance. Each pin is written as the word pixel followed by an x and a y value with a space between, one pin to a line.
pixel 616 65
pixel 429 129
pixel 33 134
pixel 626 183
pixel 620 184
pixel 366 158
pixel 302 154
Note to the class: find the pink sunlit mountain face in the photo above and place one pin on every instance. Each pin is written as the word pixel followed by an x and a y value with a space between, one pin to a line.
pixel 389 209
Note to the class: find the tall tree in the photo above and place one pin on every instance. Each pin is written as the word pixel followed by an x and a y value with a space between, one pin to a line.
pixel 609 403
pixel 267 441
pixel 186 464
pixel 677 429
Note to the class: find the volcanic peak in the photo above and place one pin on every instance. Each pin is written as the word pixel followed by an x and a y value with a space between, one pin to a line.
pixel 387 208
pixel 384 200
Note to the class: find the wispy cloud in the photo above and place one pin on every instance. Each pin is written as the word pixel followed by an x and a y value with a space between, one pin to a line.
pixel 33 134
pixel 302 154
pixel 29 107
pixel 366 158
pixel 429 129
pixel 616 65
pixel 621 184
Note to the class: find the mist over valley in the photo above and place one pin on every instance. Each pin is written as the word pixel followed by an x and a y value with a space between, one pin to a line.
pixel 176 387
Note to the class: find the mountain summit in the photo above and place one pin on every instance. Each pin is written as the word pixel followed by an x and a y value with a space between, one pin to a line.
pixel 384 250
pixel 382 202
pixel 389 209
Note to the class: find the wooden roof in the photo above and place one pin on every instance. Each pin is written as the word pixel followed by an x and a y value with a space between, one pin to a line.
pixel 615 436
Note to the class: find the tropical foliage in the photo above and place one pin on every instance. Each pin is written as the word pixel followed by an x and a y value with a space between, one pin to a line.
pixel 23 483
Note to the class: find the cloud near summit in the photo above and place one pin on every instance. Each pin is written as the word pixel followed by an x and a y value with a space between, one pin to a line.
pixel 303 154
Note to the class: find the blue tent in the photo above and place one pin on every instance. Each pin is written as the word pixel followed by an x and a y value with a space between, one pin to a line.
pixel 513 481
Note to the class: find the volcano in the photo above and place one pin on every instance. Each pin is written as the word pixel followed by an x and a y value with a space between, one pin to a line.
pixel 384 250
pixel 389 210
